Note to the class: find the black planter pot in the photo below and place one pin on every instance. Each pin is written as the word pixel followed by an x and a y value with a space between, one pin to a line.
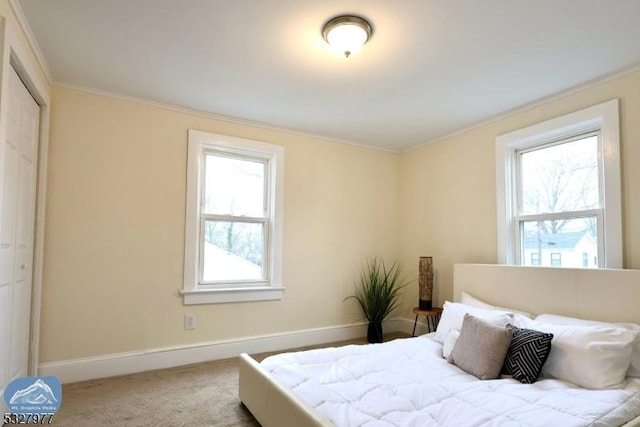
pixel 374 332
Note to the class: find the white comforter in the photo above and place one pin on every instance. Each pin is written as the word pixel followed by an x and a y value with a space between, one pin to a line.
pixel 407 383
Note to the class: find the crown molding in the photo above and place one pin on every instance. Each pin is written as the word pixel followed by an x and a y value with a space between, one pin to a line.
pixel 219 117
pixel 529 106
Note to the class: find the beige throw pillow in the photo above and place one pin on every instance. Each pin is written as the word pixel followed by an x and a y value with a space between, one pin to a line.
pixel 481 348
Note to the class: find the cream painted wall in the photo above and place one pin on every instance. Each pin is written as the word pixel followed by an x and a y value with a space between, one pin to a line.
pixel 115 229
pixel 448 194
pixel 115 219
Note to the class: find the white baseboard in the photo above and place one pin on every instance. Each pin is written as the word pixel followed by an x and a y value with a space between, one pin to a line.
pixel 404 325
pixel 74 370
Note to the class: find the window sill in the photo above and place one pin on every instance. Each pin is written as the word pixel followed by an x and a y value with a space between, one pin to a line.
pixel 225 295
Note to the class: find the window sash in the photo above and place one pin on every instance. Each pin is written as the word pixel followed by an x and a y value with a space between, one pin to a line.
pixel 519 180
pixel 569 137
pixel 237 155
pixel 263 281
pixel 519 222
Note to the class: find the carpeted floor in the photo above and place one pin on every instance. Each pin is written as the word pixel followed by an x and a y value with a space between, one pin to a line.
pixel 204 394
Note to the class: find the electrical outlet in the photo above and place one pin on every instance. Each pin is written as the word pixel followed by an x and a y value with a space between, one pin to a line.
pixel 189 321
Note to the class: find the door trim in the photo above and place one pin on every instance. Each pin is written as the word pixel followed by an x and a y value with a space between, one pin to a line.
pixel 19 55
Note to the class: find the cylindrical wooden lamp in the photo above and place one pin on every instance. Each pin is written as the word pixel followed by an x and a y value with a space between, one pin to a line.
pixel 425 282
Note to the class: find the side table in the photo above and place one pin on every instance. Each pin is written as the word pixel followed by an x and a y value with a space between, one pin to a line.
pixel 432 316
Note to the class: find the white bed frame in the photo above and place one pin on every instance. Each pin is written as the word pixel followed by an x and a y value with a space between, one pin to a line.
pixel 602 294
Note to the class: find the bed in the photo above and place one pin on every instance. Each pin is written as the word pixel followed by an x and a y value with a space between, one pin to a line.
pixel 407 382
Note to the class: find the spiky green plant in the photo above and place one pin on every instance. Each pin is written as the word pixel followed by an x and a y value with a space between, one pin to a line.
pixel 379 289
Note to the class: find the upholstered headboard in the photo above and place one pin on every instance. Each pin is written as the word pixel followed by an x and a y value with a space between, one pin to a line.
pixel 599 294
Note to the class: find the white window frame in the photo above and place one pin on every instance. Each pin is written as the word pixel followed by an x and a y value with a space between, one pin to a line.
pixel 268 288
pixel 603 118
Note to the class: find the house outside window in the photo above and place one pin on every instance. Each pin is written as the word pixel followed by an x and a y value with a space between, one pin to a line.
pixel 570 247
pixel 558 193
pixel 233 233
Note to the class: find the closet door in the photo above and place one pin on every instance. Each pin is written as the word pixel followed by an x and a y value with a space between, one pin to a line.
pixel 17 230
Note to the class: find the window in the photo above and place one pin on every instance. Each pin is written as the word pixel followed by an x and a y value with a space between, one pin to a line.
pixel 233 233
pixel 558 197
pixel 557 190
pixel 535 258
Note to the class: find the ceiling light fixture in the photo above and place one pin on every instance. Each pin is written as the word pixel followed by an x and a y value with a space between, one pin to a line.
pixel 347 33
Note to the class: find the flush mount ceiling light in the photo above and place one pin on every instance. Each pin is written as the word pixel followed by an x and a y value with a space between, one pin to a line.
pixel 347 33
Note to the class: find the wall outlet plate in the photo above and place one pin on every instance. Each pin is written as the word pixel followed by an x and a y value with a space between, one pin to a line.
pixel 189 321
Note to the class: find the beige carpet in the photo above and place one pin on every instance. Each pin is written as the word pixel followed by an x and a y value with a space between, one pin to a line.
pixel 204 394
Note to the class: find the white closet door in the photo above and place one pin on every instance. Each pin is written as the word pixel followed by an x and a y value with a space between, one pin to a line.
pixel 17 230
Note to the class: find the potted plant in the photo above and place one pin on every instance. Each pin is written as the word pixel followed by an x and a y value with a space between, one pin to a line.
pixel 378 293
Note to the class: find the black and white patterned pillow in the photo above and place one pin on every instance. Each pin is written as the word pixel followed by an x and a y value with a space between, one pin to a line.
pixel 527 354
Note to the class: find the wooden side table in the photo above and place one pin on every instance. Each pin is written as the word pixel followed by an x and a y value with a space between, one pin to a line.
pixel 432 316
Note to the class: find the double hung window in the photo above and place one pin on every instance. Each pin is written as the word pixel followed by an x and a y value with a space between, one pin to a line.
pixel 233 219
pixel 559 191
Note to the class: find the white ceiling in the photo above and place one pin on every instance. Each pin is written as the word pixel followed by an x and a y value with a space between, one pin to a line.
pixel 432 67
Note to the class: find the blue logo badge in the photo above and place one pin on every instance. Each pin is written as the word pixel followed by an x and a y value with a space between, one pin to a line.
pixel 33 395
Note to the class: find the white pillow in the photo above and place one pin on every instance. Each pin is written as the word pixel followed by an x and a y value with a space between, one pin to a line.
pixel 468 299
pixel 634 367
pixel 453 315
pixel 449 343
pixel 593 357
pixel 521 319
